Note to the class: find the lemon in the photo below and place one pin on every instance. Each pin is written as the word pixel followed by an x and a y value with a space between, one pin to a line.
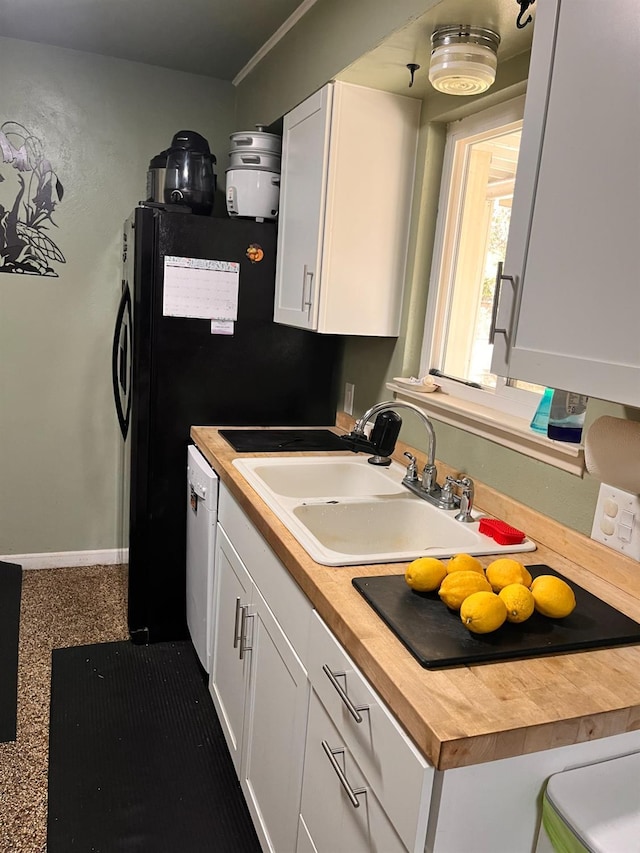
pixel 459 585
pixel 425 574
pixel 519 600
pixel 483 612
pixel 553 597
pixel 464 563
pixel 504 571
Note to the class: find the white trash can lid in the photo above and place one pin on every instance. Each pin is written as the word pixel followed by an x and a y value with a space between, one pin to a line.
pixel 595 808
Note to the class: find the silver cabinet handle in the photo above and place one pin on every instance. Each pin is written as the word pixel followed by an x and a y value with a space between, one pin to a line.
pixel 352 793
pixel 351 708
pixel 307 302
pixel 236 633
pixel 244 615
pixel 500 277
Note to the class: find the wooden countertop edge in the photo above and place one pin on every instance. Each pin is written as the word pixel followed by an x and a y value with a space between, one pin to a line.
pixel 392 669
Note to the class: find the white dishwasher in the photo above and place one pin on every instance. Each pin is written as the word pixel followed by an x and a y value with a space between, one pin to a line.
pixel 202 515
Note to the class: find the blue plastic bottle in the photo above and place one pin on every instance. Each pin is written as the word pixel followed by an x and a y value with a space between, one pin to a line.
pixel 541 418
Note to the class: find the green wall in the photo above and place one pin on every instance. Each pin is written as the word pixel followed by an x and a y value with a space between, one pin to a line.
pixel 100 121
pixel 331 35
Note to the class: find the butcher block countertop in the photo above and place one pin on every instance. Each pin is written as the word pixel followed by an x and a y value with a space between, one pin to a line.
pixel 470 714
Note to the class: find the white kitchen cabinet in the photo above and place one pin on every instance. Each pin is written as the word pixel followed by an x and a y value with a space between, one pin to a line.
pixel 229 673
pixel 570 310
pixel 276 720
pixel 259 685
pixel 348 163
pixel 371 754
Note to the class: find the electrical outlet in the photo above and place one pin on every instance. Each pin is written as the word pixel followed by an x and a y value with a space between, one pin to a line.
pixel 616 521
pixel 349 392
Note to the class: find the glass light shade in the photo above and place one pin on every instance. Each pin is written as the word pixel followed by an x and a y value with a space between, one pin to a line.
pixel 463 59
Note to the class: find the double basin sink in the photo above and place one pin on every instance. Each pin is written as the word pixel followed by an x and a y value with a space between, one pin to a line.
pixel 344 511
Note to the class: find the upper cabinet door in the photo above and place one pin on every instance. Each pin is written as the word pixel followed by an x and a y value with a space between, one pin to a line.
pixel 348 164
pixel 305 145
pixel 570 310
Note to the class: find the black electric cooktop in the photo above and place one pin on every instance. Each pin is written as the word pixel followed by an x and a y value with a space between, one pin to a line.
pixel 282 440
pixel 437 638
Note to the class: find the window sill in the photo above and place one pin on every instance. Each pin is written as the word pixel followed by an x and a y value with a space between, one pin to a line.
pixel 504 429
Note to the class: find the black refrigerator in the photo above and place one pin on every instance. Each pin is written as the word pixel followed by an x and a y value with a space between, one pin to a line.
pixel 171 372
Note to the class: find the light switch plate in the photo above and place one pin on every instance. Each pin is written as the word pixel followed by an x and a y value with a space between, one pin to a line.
pixel 616 521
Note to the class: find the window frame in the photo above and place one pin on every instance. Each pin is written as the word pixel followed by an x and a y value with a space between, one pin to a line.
pixel 505 397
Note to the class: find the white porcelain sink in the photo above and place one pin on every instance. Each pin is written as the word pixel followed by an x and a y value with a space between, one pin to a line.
pixel 389 527
pixel 344 511
pixel 322 478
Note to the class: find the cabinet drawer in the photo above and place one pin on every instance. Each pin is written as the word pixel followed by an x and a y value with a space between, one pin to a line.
pixel 400 776
pixel 286 600
pixel 340 812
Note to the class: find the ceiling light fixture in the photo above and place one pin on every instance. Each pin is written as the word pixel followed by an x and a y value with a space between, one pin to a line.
pixel 463 59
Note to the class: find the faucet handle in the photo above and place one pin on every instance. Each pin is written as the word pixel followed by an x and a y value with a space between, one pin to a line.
pixel 429 478
pixel 412 469
pixel 448 487
pixel 447 493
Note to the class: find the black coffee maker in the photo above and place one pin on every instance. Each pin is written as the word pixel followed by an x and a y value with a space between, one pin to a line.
pixel 189 177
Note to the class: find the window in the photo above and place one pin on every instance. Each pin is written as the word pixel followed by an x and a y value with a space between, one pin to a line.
pixel 478 179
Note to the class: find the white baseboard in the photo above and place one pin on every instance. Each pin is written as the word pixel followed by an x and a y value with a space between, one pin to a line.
pixel 67 559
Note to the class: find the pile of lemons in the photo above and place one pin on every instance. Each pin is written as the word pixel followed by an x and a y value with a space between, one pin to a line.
pixel 486 599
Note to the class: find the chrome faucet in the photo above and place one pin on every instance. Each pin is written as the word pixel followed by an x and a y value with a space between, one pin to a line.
pixel 392 405
pixel 425 485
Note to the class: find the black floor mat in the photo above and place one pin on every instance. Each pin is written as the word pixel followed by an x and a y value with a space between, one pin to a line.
pixel 10 591
pixel 137 759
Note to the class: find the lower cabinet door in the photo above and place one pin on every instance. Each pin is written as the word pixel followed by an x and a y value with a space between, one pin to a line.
pixel 275 726
pixel 339 810
pixel 229 673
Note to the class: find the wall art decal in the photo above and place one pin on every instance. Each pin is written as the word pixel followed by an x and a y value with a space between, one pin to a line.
pixel 29 193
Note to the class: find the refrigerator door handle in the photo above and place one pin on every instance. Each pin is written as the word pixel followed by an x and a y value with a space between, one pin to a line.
pixel 121 356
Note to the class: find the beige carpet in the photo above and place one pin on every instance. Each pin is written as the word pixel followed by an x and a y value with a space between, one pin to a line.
pixel 60 608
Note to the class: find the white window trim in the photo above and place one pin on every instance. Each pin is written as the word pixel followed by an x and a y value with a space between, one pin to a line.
pixel 503 416
pixel 501 427
pixel 504 398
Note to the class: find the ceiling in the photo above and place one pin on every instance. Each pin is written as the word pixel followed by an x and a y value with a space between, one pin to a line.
pixel 385 67
pixel 216 38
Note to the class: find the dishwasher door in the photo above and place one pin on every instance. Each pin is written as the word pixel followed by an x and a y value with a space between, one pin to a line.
pixel 202 515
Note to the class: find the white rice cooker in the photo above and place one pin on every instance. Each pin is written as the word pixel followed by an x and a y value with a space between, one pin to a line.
pixel 253 176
